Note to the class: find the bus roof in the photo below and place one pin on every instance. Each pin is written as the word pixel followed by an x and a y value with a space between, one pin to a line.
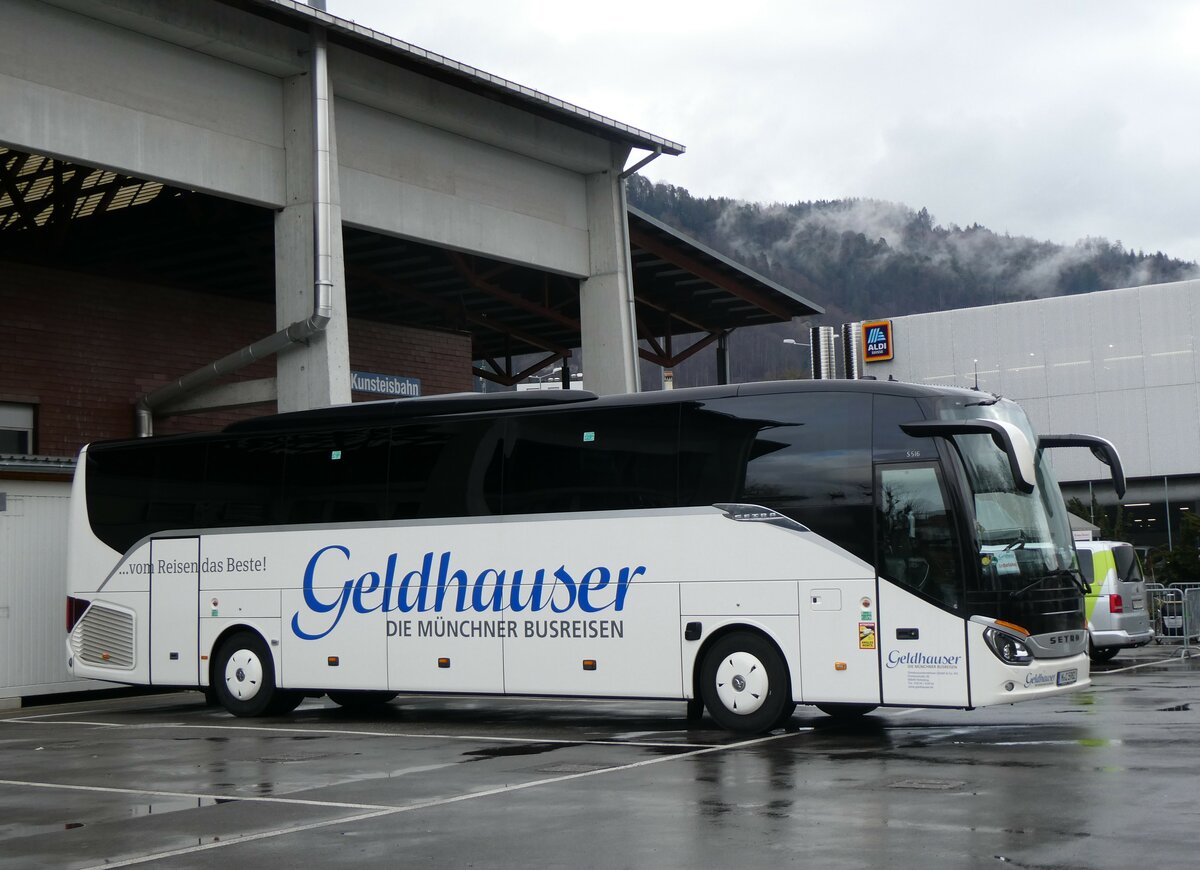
pixel 389 410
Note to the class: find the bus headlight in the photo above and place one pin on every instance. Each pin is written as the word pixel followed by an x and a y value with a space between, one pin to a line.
pixel 1010 650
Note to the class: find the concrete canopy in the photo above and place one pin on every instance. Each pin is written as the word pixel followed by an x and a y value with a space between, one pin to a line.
pixel 172 143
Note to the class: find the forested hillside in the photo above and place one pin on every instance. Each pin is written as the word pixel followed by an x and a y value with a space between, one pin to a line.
pixel 861 258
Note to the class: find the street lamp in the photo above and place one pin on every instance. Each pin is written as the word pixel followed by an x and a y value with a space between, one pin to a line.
pixel 795 343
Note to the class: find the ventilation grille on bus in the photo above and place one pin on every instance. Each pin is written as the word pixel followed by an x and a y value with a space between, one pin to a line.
pixel 104 637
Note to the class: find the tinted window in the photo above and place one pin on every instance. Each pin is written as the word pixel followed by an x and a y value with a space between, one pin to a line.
pixel 244 483
pixel 891 443
pixel 336 477
pixel 806 455
pixel 715 448
pixel 445 469
pixel 594 460
pixel 1128 569
pixel 918 544
pixel 1086 566
pixel 144 487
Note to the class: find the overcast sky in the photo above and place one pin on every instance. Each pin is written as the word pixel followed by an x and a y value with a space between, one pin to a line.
pixel 1056 119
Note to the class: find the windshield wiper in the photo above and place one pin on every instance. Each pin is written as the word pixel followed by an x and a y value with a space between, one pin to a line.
pixel 1083 587
pixel 1019 542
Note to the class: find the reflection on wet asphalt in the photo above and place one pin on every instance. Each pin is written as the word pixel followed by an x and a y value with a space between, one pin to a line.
pixel 163 780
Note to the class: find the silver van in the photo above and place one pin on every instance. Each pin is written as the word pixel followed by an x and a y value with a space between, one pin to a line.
pixel 1116 605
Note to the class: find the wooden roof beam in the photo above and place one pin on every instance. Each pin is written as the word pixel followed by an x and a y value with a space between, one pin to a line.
pixel 731 285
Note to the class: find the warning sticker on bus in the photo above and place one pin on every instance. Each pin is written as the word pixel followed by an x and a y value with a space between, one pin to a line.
pixel 866 635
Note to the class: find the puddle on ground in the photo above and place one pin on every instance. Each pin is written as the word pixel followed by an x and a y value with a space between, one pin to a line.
pixel 518 749
pixel 159 806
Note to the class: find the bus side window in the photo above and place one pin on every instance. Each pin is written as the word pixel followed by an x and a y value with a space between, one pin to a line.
pixel 336 476
pixel 917 542
pixel 244 481
pixel 807 456
pixel 714 450
pixel 444 469
pixel 612 459
pixel 140 488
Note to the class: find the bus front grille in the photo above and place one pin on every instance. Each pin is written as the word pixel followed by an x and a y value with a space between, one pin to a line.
pixel 104 637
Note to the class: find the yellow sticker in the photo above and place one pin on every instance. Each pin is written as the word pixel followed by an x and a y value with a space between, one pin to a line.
pixel 866 635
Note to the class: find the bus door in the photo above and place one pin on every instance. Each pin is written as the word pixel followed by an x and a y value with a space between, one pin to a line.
pixel 174 613
pixel 922 633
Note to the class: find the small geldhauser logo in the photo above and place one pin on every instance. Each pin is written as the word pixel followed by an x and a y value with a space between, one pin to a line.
pixel 877 341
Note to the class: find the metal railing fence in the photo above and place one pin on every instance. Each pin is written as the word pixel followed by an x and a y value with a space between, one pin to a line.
pixel 1174 613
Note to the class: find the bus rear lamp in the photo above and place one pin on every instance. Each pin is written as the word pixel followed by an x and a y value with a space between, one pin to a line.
pixel 1012 626
pixel 1116 604
pixel 75 609
pixel 1010 650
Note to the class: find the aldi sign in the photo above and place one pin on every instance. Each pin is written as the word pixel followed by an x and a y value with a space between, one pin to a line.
pixel 877 341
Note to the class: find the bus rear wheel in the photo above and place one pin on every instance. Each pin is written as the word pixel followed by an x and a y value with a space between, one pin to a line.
pixel 244 678
pixel 744 683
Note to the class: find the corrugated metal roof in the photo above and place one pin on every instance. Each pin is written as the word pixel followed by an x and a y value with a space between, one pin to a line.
pixel 41 464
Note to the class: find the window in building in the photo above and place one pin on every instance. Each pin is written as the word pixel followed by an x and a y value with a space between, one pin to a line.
pixel 16 428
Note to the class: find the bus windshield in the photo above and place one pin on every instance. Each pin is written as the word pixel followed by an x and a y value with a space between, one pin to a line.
pixel 1028 569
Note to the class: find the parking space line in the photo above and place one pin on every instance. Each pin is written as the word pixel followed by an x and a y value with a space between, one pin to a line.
pixel 1170 660
pixel 195 795
pixel 440 802
pixel 348 732
pixel 24 721
pixel 479 738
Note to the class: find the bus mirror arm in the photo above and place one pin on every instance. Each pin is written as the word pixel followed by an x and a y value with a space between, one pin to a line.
pixel 1102 449
pixel 1006 436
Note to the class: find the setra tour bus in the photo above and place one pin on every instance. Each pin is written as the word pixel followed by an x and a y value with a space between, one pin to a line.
pixel 748 548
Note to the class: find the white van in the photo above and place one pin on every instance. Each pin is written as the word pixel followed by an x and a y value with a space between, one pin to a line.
pixel 1116 604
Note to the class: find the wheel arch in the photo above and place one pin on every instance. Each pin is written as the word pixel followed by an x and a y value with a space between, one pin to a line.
pixel 228 632
pixel 734 628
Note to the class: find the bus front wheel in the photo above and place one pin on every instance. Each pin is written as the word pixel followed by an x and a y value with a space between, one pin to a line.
pixel 744 683
pixel 244 678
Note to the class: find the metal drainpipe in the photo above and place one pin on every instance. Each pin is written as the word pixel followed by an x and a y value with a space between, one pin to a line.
pixel 301 330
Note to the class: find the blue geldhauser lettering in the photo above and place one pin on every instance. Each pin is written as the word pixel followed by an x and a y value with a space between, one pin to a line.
pixel 598 588
pixel 316 605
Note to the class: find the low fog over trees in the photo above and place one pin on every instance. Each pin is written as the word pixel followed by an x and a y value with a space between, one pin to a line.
pixel 862 259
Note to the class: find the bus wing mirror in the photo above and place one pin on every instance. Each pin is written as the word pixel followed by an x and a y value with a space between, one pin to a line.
pixel 1101 449
pixel 1006 436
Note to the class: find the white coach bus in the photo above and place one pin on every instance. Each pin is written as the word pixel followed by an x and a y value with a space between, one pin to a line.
pixel 847 544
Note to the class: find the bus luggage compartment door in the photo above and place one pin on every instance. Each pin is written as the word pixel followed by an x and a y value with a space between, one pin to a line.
pixel 174 614
pixel 839 654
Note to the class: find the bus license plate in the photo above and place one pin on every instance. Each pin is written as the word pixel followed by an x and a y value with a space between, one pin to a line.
pixel 1066 678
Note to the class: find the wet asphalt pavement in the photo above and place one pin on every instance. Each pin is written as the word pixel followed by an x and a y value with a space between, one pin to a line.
pixel 1106 777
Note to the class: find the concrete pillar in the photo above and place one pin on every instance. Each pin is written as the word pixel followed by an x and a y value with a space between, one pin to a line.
pixel 316 374
pixel 607 318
